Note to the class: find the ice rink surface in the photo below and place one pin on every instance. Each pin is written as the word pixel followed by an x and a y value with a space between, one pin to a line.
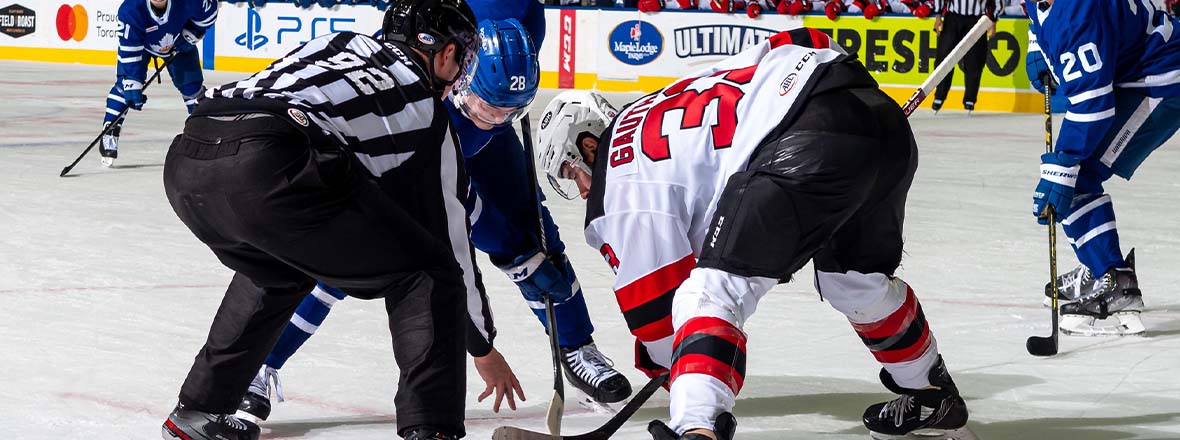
pixel 105 297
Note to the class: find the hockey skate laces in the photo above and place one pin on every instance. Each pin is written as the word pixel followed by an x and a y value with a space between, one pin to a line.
pixel 897 408
pixel 272 376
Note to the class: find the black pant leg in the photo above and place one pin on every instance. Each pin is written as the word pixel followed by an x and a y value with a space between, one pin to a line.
pixel 973 63
pixel 798 189
pixel 277 212
pixel 947 39
pixel 871 240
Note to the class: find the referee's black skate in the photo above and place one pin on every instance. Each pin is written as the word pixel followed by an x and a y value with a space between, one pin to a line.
pixel 187 424
pixel 937 413
pixel 1116 295
pixel 724 428
pixel 592 373
pixel 428 433
pixel 255 404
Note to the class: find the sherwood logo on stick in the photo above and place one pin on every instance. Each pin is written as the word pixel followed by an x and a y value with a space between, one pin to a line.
pixel 17 21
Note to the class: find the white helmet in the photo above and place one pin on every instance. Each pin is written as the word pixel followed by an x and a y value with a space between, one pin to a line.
pixel 570 117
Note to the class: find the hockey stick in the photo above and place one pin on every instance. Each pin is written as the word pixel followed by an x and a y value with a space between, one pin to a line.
pixel 1041 345
pixel 947 64
pixel 603 432
pixel 114 123
pixel 557 404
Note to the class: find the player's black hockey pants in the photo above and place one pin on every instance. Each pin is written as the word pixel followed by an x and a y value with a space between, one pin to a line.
pixel 283 214
pixel 819 187
pixel 954 28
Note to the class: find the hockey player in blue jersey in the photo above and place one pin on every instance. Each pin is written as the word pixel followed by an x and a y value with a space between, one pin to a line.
pixel 496 93
pixel 1118 63
pixel 159 28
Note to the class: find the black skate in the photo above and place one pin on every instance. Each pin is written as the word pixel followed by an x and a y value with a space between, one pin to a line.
pixel 109 148
pixel 1070 286
pixel 592 373
pixel 1115 294
pixel 929 413
pixel 428 433
pixel 187 424
pixel 255 404
pixel 724 428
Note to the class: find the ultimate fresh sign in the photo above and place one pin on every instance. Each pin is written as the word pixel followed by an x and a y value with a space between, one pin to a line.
pixel 723 40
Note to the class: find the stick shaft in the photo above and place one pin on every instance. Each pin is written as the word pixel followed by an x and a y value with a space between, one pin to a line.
pixel 557 404
pixel 947 64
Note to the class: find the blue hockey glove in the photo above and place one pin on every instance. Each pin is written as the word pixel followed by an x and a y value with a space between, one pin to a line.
pixel 191 37
pixel 1055 188
pixel 1038 70
pixel 133 93
pixel 539 277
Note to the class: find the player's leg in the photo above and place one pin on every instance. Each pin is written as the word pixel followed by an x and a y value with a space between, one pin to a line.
pixel 185 70
pixel 854 273
pixel 304 323
pixel 1108 283
pixel 973 64
pixel 298 205
pixel 797 190
pixel 109 148
pixel 947 39
pixel 502 222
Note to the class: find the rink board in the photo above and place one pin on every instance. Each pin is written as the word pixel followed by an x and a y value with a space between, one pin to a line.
pixel 604 49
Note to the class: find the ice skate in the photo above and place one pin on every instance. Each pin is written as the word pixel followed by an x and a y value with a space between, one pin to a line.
pixel 1115 295
pixel 109 148
pixel 592 373
pixel 428 433
pixel 936 413
pixel 1070 286
pixel 187 424
pixel 255 404
pixel 724 428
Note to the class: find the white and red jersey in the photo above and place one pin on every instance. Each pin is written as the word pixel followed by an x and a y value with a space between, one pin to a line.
pixel 664 163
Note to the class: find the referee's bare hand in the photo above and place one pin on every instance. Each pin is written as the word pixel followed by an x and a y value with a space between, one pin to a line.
pixel 499 378
pixel 938 25
pixel 991 32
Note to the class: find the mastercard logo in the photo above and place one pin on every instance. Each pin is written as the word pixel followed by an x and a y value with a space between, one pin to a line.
pixel 72 22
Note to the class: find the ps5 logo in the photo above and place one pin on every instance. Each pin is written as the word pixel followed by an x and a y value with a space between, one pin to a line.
pixel 255 37
pixel 252 39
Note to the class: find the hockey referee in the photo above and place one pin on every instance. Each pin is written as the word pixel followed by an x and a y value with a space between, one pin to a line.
pixel 335 163
pixel 954 19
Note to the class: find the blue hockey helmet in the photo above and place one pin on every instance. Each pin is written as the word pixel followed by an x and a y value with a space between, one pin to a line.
pixel 503 79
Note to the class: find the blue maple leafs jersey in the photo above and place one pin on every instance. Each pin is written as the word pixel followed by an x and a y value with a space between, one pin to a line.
pixel 1095 47
pixel 146 32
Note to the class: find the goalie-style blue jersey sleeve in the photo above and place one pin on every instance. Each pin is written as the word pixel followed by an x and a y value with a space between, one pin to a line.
pixel 133 57
pixel 1084 58
pixel 202 15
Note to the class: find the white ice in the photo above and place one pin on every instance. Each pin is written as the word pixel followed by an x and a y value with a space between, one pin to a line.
pixel 105 297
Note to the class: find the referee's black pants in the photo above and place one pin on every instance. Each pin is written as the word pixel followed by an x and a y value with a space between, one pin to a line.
pixel 954 28
pixel 283 214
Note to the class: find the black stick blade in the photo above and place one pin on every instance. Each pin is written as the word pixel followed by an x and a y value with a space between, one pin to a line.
pixel 1041 345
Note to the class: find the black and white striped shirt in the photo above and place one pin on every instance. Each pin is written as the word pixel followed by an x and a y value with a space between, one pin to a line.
pixel 973 8
pixel 376 101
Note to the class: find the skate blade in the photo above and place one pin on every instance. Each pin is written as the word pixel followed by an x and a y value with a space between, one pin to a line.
pixel 963 433
pixel 1128 324
pixel 595 406
pixel 247 416
pixel 108 162
pixel 1060 302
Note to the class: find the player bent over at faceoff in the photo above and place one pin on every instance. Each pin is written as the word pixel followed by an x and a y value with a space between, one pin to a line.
pixel 706 194
pixel 342 144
